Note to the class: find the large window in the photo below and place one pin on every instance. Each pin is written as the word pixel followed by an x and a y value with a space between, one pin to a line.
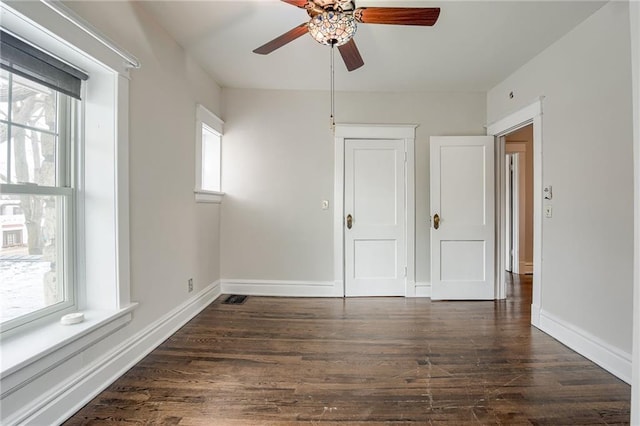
pixel 37 193
pixel 75 177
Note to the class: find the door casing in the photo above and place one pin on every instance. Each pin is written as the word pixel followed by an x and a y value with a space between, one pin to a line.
pixel 531 114
pixel 372 132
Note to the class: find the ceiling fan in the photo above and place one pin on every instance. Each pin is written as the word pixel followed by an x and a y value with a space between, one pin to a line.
pixel 334 23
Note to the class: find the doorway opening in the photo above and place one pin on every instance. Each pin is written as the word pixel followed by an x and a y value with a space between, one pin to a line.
pixel 528 115
pixel 518 211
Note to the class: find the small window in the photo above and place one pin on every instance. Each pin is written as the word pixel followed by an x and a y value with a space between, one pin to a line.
pixel 210 159
pixel 208 156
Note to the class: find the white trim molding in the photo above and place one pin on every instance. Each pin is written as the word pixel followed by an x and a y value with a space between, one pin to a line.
pixel 605 355
pixel 634 14
pixel 75 390
pixel 28 356
pixel 203 196
pixel 75 19
pixel 423 289
pixel 83 43
pixel 282 288
pixel 406 132
pixel 517 119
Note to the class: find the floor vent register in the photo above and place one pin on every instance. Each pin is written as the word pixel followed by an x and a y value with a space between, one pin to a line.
pixel 235 299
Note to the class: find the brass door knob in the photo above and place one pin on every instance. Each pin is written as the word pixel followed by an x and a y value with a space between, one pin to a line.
pixel 349 221
pixel 436 221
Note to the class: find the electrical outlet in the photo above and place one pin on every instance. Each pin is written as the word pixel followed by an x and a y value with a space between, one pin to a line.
pixel 190 285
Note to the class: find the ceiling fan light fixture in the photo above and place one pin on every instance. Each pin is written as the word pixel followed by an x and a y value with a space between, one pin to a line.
pixel 332 28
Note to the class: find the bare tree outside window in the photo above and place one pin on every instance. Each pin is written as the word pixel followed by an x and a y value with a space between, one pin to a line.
pixel 29 157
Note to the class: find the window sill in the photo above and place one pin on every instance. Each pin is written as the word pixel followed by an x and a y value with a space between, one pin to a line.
pixel 203 196
pixel 28 355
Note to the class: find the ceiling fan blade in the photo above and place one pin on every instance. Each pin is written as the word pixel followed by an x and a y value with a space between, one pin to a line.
pixel 425 16
pixel 285 38
pixel 351 55
pixel 298 3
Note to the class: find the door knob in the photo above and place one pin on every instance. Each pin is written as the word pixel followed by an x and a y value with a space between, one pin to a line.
pixel 436 221
pixel 349 221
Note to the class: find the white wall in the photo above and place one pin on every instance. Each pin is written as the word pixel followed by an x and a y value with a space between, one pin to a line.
pixel 278 166
pixel 587 247
pixel 172 238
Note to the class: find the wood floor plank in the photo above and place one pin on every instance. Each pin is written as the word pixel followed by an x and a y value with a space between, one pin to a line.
pixel 365 360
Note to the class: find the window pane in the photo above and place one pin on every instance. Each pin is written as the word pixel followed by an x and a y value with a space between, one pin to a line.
pixel 210 160
pixel 4 171
pixel 31 257
pixel 33 157
pixel 33 104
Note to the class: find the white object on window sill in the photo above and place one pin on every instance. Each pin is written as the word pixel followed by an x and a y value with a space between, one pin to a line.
pixel 28 355
pixel 74 318
pixel 204 196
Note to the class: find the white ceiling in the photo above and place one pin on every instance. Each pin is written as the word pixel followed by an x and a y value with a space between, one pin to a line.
pixel 473 46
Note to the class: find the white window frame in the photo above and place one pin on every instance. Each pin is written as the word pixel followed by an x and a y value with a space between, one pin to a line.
pixel 206 119
pixel 102 203
pixel 65 259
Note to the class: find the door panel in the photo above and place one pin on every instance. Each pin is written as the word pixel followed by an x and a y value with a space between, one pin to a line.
pixel 462 261
pixel 462 185
pixel 375 257
pixel 462 194
pixel 375 186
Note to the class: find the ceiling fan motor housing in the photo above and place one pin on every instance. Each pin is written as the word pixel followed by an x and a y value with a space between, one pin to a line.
pixel 315 7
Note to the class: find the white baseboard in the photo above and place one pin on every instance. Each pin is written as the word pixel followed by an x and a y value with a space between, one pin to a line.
pixel 282 288
pixel 299 288
pixel 535 315
pixel 71 395
pixel 612 359
pixel 423 289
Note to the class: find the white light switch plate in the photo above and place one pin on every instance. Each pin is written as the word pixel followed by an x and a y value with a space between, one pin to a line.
pixel 325 204
pixel 548 211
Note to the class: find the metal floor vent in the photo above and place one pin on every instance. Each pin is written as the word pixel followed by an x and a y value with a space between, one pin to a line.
pixel 235 299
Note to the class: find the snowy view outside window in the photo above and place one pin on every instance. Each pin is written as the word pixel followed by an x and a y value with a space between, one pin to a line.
pixel 31 211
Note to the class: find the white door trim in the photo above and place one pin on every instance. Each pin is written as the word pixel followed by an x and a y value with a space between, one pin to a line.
pixel 406 132
pixel 531 114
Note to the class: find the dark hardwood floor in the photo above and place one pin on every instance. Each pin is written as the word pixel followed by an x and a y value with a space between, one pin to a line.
pixel 363 360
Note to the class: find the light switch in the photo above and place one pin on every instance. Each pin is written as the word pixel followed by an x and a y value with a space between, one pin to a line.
pixel 548 192
pixel 548 212
pixel 325 204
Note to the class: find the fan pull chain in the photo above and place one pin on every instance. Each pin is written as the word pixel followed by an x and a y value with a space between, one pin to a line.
pixel 332 121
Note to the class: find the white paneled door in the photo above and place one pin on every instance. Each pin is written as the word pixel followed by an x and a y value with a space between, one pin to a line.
pixel 462 218
pixel 374 217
